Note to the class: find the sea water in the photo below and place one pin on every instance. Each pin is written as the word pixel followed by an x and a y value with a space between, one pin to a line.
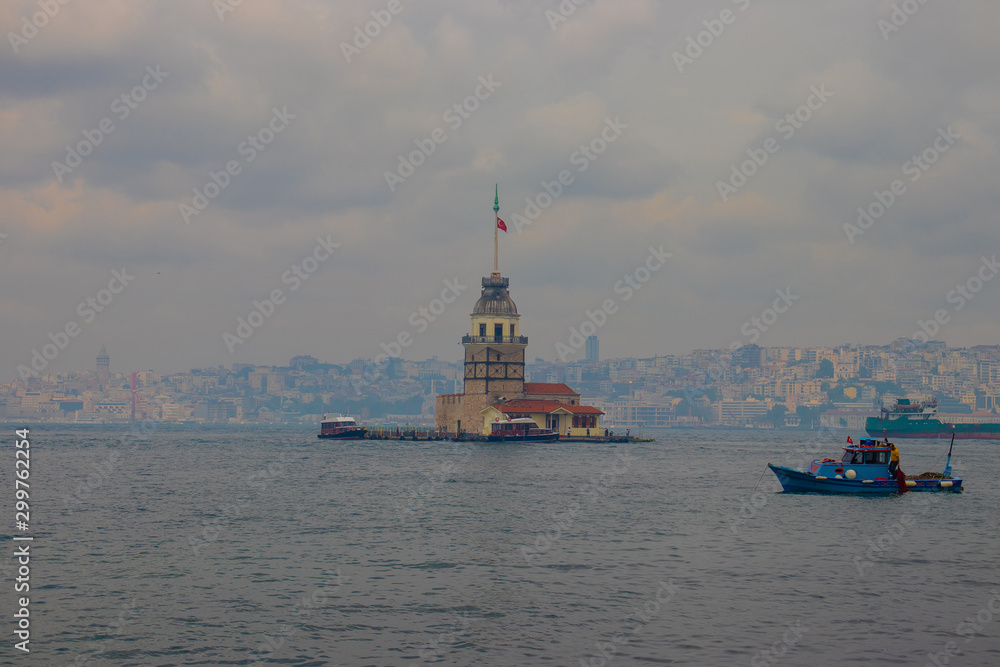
pixel 237 545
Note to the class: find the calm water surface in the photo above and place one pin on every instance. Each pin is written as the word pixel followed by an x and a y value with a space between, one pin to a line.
pixel 241 545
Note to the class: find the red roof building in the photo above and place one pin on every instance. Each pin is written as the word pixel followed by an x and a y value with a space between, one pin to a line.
pixel 547 414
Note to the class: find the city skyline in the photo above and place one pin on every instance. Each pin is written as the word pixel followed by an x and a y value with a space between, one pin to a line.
pixel 912 345
pixel 781 386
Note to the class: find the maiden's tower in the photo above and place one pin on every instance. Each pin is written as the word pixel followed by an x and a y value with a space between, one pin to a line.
pixel 494 369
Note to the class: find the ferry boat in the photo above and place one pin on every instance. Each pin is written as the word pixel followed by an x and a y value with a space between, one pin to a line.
pixel 521 429
pixel 863 468
pixel 908 419
pixel 339 427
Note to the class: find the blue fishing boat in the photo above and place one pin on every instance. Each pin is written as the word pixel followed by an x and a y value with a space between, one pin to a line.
pixel 863 468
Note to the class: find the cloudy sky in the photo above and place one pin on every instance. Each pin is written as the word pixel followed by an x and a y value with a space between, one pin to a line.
pixel 310 114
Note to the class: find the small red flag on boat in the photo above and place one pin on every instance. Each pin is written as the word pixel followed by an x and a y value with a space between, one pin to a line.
pixel 501 224
pixel 849 441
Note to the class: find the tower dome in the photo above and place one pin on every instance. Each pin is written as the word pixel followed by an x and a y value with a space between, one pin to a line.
pixel 495 299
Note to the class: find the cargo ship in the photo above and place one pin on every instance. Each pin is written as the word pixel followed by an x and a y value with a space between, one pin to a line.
pixel 919 419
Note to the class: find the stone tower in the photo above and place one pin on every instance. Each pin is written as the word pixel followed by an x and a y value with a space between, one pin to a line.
pixel 103 363
pixel 494 353
pixel 494 350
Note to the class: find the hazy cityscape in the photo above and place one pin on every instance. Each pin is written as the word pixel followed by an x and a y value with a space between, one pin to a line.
pixel 369 333
pixel 750 386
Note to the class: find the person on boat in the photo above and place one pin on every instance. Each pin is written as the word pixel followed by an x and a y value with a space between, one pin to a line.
pixel 893 459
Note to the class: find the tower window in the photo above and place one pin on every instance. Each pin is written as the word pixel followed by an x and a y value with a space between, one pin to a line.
pixel 498 330
pixel 482 330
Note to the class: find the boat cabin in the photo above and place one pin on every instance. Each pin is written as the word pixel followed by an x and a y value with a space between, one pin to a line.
pixel 868 459
pixel 518 426
pixel 337 424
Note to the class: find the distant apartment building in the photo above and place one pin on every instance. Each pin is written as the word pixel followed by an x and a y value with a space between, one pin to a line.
pixel 851 419
pixel 646 411
pixel 30 401
pixel 844 370
pixel 274 383
pixel 593 354
pixel 170 412
pixel 737 413
pixel 300 361
pixel 988 372
pixel 214 411
pixel 116 410
pixel 987 400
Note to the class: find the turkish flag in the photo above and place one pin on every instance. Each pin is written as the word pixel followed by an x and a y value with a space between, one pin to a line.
pixel 849 441
pixel 501 224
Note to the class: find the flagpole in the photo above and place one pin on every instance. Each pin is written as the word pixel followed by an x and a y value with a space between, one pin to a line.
pixel 496 231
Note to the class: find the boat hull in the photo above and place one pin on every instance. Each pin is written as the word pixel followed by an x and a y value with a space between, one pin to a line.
pixel 930 428
pixel 796 481
pixel 542 437
pixel 353 434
